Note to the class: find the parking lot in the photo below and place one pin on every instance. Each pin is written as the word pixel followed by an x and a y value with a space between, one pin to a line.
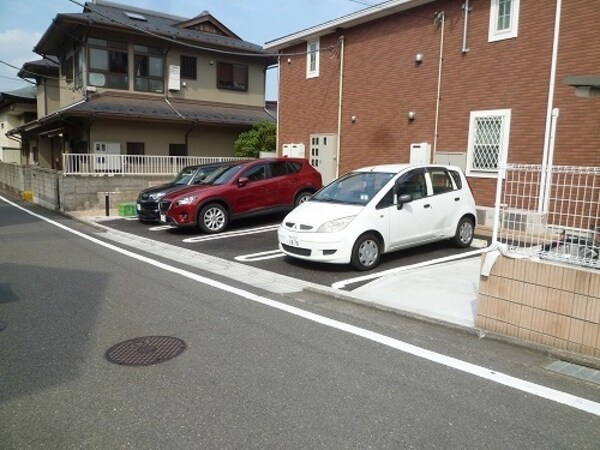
pixel 254 242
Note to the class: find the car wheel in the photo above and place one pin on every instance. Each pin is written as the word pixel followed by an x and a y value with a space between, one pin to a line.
pixel 464 233
pixel 366 252
pixel 212 218
pixel 302 197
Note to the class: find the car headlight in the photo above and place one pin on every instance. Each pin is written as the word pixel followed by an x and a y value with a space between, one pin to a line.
pixel 335 225
pixel 186 200
pixel 157 196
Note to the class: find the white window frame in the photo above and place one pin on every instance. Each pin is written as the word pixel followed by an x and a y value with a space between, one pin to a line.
pixel 310 52
pixel 512 31
pixel 505 114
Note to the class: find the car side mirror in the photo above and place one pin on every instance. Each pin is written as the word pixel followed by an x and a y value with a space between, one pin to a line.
pixel 242 181
pixel 402 199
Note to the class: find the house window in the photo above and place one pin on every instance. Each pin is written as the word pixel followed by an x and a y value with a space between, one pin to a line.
pixel 312 59
pixel 135 149
pixel 108 64
pixel 488 141
pixel 148 69
pixel 504 19
pixel 188 67
pixel 232 76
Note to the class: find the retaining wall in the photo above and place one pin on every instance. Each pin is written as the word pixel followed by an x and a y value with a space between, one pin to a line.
pixel 545 303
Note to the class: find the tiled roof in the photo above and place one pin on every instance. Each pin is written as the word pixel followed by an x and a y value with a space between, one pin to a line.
pixel 158 109
pixel 103 13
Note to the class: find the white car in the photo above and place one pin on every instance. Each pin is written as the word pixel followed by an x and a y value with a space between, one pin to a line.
pixel 380 209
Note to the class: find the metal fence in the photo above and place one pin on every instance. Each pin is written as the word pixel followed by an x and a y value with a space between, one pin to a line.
pixel 550 213
pixel 91 164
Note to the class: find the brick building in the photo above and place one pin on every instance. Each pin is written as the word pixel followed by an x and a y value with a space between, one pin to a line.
pixel 472 82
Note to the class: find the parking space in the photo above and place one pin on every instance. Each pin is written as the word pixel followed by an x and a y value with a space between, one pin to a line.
pixel 254 242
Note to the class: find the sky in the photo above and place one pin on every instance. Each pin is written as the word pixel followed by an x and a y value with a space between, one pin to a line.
pixel 23 22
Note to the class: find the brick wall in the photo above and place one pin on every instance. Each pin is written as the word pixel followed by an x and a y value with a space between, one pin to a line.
pixel 548 304
pixel 382 83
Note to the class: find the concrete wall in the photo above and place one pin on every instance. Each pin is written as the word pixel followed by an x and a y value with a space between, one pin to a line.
pixel 84 193
pixel 14 178
pixel 549 304
pixel 54 191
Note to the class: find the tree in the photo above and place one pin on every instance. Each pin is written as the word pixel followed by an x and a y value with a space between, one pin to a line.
pixel 261 137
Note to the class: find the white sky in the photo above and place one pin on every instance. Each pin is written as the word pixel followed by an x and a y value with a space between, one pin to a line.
pixel 23 22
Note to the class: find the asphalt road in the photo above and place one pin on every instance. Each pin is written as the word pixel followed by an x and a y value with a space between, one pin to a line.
pixel 259 371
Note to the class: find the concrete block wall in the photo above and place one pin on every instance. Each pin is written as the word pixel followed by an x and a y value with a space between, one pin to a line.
pixel 88 192
pixel 44 185
pixel 14 178
pixel 549 304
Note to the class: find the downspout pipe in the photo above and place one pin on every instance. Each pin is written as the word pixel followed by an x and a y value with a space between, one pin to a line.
pixel 547 157
pixel 277 134
pixel 466 11
pixel 339 124
pixel 442 18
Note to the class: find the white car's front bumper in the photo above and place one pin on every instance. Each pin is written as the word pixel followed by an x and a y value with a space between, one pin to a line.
pixel 319 247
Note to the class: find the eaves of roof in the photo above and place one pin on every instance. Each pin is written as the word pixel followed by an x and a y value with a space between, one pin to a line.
pixel 350 20
pixel 155 110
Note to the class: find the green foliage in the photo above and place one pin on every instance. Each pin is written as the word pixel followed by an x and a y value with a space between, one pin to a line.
pixel 262 137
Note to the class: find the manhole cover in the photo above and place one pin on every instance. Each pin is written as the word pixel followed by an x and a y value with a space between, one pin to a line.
pixel 145 351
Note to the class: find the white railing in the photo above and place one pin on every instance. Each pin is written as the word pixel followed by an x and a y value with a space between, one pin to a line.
pixel 559 223
pixel 91 164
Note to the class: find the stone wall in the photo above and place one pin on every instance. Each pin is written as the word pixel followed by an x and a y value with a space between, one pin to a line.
pixel 545 303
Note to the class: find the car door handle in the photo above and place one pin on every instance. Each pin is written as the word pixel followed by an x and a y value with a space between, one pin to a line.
pixel 427 206
pixel 457 199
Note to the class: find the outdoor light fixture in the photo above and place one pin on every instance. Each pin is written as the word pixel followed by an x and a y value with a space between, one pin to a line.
pixel 419 58
pixel 412 115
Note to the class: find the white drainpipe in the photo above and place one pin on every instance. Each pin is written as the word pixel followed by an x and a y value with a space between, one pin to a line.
pixel 551 116
pixel 439 89
pixel 339 124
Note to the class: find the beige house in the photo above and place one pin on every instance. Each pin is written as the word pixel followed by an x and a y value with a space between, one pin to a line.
pixel 130 81
pixel 16 108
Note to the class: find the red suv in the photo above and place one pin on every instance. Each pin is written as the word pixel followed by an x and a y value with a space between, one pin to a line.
pixel 241 189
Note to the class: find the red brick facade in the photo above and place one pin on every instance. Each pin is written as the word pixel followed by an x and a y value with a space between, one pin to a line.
pixel 382 83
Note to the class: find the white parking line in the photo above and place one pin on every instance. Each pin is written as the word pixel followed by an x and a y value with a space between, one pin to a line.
pixel 247 231
pixel 343 283
pixel 161 228
pixel 271 254
pixel 547 393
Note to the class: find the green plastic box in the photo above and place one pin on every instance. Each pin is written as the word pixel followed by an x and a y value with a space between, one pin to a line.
pixel 126 209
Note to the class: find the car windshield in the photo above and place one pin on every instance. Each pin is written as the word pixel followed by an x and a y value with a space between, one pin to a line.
pixel 355 188
pixel 184 176
pixel 223 174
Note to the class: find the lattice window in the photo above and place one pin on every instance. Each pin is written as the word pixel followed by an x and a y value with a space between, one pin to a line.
pixel 488 140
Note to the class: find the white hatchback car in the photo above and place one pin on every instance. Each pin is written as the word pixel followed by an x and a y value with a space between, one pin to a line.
pixel 380 209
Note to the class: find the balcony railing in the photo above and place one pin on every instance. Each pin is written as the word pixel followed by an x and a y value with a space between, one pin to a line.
pixel 121 165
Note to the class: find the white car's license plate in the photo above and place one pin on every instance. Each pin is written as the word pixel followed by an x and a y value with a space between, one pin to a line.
pixel 163 218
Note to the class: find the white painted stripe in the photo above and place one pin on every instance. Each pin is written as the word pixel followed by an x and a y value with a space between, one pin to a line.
pixel 463 366
pixel 247 231
pixel 343 283
pixel 271 254
pixel 161 227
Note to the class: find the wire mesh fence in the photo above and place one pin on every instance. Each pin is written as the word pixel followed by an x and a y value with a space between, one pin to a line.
pixel 551 213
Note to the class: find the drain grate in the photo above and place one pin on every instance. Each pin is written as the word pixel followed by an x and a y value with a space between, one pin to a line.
pixel 575 370
pixel 145 351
